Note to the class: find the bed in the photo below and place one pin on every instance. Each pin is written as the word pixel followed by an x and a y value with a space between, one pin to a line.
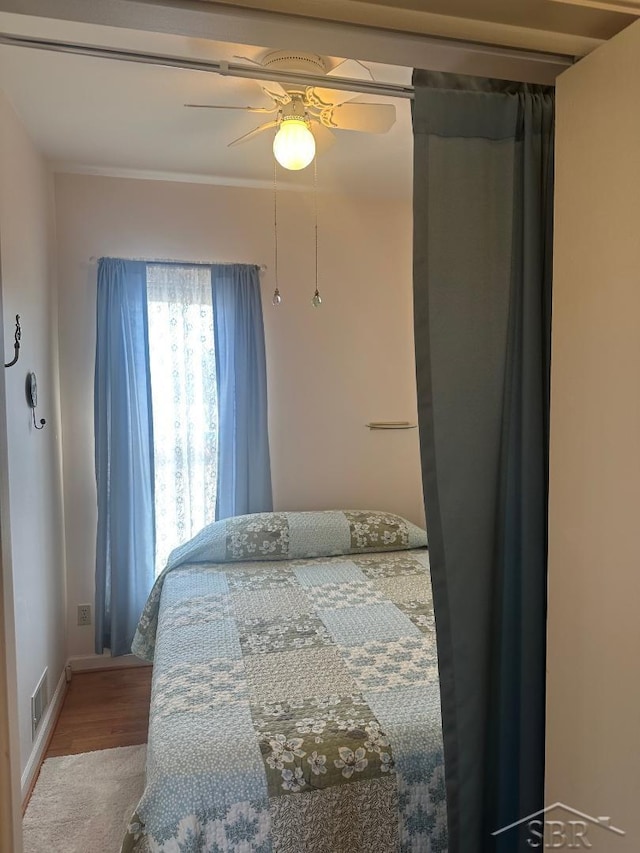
pixel 295 703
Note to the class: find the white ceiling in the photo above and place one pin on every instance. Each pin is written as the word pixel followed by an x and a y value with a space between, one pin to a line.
pixel 112 117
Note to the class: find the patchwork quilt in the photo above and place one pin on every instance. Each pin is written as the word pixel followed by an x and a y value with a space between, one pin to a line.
pixel 295 704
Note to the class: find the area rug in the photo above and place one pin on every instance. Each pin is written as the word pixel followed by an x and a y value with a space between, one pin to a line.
pixel 81 803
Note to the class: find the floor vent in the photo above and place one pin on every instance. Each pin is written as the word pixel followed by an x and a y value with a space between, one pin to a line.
pixel 39 702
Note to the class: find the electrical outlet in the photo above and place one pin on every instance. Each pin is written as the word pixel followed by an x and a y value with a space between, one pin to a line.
pixel 84 614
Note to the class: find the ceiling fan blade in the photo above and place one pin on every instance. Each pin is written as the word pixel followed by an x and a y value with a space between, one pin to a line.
pixel 324 137
pixel 351 68
pixel 320 97
pixel 266 110
pixel 247 59
pixel 256 130
pixel 364 117
pixel 277 92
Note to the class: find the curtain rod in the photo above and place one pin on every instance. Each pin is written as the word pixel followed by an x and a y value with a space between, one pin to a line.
pixel 235 69
pixel 177 263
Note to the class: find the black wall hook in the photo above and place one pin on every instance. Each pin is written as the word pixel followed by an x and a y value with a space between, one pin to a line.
pixel 42 421
pixel 16 343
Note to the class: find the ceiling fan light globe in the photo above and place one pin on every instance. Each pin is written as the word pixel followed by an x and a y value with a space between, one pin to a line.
pixel 294 146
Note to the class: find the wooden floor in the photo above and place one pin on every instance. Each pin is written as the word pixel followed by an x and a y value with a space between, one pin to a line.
pixel 102 710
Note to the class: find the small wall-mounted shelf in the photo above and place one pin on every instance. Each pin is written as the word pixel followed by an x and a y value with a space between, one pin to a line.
pixel 391 425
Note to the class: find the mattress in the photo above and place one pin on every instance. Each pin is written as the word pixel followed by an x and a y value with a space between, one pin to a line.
pixel 295 701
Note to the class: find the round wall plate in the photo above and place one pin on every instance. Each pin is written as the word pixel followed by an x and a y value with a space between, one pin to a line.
pixel 31 390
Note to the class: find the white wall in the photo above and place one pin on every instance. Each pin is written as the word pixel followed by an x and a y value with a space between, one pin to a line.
pixel 28 285
pixel 593 701
pixel 330 370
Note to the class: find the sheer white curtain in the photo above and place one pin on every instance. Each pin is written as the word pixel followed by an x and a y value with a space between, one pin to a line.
pixel 185 405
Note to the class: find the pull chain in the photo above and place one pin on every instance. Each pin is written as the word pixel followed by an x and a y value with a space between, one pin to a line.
pixel 317 300
pixel 277 299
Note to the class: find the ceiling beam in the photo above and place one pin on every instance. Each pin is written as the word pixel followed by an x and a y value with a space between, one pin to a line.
pixel 220 22
pixel 626 7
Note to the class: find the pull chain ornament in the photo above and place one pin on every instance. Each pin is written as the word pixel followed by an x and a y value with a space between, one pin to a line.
pixel 277 299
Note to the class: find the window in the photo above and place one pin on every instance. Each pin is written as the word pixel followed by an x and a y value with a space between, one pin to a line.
pixel 185 406
pixel 169 337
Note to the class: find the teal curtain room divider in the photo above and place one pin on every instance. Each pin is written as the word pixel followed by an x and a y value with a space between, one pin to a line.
pixel 483 201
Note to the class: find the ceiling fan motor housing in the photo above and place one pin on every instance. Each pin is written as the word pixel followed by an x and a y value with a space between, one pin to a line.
pixel 297 61
pixel 291 60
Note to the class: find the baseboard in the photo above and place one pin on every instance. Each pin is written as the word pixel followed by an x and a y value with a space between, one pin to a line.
pixel 43 737
pixel 87 663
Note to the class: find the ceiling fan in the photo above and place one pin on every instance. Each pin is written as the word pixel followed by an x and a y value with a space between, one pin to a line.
pixel 306 116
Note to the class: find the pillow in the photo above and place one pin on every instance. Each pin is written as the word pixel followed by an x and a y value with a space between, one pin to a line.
pixel 297 535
